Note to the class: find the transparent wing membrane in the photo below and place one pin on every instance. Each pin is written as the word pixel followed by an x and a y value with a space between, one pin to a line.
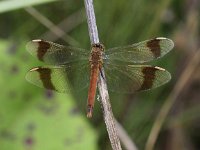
pixel 64 79
pixel 140 52
pixel 131 78
pixel 55 54
pixel 70 66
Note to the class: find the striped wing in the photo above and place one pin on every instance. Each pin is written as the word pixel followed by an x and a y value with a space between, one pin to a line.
pixel 131 78
pixel 64 79
pixel 140 52
pixel 55 54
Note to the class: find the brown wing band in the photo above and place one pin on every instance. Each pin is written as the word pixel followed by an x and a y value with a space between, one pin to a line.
pixel 149 76
pixel 45 76
pixel 42 49
pixel 154 46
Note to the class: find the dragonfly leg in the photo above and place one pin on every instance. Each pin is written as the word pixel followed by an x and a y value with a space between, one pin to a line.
pixel 102 74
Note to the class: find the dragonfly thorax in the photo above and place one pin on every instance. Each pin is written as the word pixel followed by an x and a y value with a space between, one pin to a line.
pixel 96 54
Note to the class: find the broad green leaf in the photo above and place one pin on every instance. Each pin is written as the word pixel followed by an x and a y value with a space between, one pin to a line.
pixel 31 118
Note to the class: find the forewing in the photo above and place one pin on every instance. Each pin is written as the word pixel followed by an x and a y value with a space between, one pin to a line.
pixel 131 78
pixel 64 79
pixel 140 52
pixel 55 54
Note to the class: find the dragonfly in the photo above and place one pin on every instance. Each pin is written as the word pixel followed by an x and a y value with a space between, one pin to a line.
pixel 72 69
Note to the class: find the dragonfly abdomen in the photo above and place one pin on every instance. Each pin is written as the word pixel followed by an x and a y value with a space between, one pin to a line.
pixel 96 62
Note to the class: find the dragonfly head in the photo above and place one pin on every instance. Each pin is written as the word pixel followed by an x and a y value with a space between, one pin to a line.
pixel 99 46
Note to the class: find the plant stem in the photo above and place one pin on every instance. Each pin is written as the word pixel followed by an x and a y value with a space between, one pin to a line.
pixel 104 100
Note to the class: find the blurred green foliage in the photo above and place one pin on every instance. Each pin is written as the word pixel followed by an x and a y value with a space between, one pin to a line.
pixel 32 118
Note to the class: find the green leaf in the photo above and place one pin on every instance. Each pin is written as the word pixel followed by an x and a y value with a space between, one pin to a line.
pixel 32 118
pixel 17 4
